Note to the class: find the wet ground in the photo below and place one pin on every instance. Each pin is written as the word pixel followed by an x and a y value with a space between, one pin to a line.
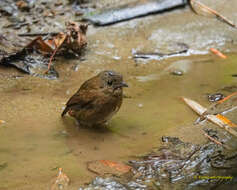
pixel 35 140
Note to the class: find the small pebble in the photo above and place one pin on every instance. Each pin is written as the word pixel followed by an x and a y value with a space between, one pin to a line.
pixel 140 105
pixel 78 13
pixel 64 132
pixel 177 72
pixel 215 97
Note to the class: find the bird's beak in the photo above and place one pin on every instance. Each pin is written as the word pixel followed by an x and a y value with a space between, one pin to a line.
pixel 121 85
pixel 124 84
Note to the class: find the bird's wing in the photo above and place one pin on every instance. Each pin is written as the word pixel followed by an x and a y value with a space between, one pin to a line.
pixel 82 98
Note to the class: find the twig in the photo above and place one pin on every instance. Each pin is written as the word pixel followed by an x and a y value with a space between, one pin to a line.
pixel 212 139
pixel 218 15
pixel 216 141
pixel 227 97
pixel 51 58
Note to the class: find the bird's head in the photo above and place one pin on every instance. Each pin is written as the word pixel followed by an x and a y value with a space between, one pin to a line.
pixel 112 80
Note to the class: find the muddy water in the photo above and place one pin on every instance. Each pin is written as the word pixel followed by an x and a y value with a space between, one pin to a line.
pixel 35 140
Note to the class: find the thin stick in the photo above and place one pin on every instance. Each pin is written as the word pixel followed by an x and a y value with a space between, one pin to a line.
pixel 212 139
pixel 38 34
pixel 227 97
pixel 216 141
pixel 51 58
pixel 218 15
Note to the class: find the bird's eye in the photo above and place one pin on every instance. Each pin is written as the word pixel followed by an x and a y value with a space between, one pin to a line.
pixel 111 73
pixel 110 83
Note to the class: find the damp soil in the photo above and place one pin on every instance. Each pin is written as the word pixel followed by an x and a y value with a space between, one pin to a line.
pixel 35 141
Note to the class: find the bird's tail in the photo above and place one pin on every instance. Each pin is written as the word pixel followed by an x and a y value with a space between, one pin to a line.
pixel 64 111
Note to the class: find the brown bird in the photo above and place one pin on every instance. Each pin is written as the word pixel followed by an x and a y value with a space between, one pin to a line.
pixel 97 100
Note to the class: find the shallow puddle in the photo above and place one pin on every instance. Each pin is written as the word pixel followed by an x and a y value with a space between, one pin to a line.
pixel 35 141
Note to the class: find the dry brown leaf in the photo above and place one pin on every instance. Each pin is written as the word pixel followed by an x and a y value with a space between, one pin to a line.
pixel 39 44
pixel 73 39
pixel 105 167
pixel 118 166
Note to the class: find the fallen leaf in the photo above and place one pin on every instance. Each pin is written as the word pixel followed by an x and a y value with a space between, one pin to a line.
pixel 103 167
pixel 118 166
pixel 41 45
pixel 73 39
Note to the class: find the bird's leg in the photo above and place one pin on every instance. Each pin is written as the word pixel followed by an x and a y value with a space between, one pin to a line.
pixel 77 123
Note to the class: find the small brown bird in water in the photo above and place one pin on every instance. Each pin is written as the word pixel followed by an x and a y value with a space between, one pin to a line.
pixel 97 100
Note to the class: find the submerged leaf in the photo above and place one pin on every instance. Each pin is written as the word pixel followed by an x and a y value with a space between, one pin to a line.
pixel 102 167
pixel 118 166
